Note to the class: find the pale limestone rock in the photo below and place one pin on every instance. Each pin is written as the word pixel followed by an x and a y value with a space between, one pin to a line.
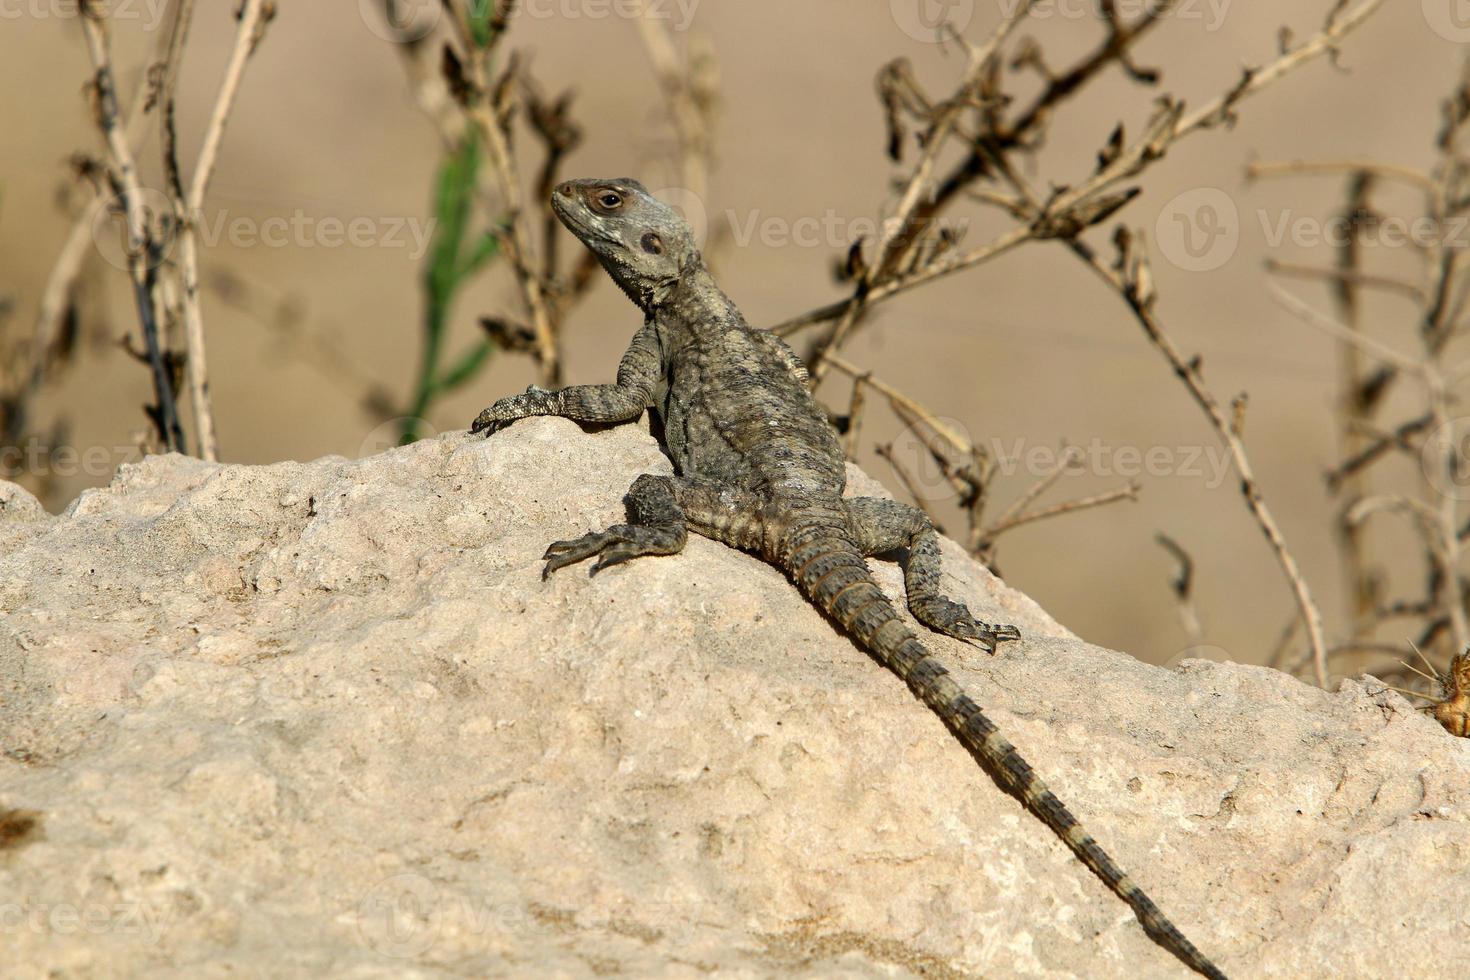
pixel 326 719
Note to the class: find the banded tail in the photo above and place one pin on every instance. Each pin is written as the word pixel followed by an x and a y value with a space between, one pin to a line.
pixel 826 565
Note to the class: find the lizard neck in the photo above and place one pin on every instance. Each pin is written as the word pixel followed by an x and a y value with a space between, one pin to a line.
pixel 695 299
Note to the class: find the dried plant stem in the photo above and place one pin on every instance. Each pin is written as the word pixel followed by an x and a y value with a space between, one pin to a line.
pixel 1085 203
pixel 894 231
pixel 1310 168
pixel 1038 488
pixel 1354 277
pixel 687 106
pixel 516 238
pixel 123 175
pixel 1220 419
pixel 1171 125
pixel 1130 492
pixel 900 400
pixel 855 416
pixel 187 207
pixel 889 288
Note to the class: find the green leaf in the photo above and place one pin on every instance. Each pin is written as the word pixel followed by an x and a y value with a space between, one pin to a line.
pixel 467 367
pixel 485 249
pixel 481 13
pixel 451 214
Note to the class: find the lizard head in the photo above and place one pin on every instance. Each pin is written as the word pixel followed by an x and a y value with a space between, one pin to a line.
pixel 642 242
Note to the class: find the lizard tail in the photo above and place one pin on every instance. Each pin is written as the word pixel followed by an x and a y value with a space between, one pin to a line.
pixel 829 569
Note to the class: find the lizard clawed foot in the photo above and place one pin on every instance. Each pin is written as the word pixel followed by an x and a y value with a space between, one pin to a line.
pixel 953 619
pixel 487 423
pixel 534 401
pixel 617 544
pixel 992 636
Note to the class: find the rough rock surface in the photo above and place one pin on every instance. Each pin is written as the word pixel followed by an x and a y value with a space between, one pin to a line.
pixel 325 719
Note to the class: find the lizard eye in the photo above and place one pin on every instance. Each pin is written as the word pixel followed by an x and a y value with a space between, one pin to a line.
pixel 610 200
pixel 652 244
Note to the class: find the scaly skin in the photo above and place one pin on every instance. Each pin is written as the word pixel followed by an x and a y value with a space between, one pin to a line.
pixel 760 468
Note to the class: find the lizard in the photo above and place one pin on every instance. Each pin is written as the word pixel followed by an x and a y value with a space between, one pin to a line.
pixel 759 468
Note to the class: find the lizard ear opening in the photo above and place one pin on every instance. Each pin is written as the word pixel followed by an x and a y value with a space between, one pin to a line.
pixel 652 244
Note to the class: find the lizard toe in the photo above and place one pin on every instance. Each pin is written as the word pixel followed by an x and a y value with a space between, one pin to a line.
pixel 487 423
pixel 563 553
pixel 1002 632
pixel 615 555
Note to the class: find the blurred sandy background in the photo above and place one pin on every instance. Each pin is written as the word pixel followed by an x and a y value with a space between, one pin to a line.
pixel 1030 350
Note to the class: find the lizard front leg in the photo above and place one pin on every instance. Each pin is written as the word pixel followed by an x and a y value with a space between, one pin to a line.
pixel 624 401
pixel 880 526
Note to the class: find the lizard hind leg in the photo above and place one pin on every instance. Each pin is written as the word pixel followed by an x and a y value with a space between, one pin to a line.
pixel 881 526
pixel 655 527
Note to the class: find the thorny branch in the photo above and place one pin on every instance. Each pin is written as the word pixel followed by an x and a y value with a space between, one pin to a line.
pixel 978 118
pixel 142 248
pixel 480 99
pixel 1429 438
pixel 156 294
pixel 968 469
pixel 254 17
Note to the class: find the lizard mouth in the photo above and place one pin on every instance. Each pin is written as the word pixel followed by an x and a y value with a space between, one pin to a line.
pixel 565 205
pixel 578 218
